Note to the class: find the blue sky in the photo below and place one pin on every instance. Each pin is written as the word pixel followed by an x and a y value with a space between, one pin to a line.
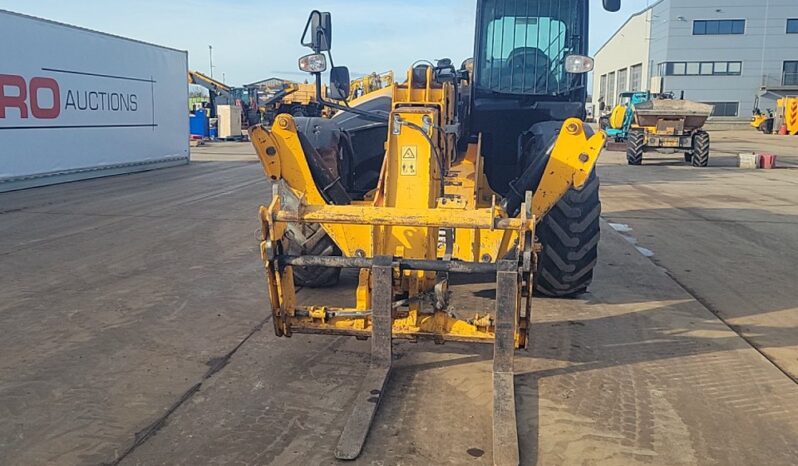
pixel 257 39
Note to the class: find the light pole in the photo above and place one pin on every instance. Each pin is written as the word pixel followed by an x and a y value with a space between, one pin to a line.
pixel 210 57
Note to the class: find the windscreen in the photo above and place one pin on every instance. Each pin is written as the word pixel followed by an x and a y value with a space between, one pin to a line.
pixel 523 45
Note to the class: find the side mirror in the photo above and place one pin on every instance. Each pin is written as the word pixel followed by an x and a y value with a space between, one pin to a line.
pixel 612 5
pixel 339 83
pixel 319 30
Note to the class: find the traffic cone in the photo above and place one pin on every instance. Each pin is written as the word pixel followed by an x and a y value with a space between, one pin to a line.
pixel 783 130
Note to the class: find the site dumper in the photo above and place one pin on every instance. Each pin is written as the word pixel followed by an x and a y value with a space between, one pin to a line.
pixel 669 124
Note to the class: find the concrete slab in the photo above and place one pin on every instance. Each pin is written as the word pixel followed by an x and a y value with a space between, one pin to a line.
pixel 118 296
pixel 639 372
pixel 728 235
pixel 135 329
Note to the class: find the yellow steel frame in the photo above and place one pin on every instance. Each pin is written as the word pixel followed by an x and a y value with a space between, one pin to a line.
pixel 425 189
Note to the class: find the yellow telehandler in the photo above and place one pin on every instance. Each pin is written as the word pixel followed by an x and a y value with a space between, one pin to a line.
pixel 469 170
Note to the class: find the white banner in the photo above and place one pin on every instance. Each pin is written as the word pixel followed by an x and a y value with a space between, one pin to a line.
pixel 73 100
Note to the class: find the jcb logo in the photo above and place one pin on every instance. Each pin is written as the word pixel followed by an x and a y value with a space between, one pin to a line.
pixel 30 99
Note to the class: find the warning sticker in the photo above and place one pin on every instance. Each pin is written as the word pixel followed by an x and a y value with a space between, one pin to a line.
pixel 409 160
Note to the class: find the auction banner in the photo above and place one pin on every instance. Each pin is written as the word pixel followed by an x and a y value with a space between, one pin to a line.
pixel 78 101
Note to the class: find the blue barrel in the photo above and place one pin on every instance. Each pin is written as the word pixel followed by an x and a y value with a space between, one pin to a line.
pixel 198 124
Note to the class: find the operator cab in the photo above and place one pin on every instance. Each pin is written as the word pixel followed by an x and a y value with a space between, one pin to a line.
pixel 529 67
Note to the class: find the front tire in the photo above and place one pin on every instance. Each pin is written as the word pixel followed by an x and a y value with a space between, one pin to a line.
pixel 569 235
pixel 634 148
pixel 700 149
pixel 311 239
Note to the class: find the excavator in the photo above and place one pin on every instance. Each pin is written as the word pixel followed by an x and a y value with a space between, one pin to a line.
pixel 483 171
pixel 220 93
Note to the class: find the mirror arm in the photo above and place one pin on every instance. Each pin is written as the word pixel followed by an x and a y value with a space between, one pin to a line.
pixel 307 27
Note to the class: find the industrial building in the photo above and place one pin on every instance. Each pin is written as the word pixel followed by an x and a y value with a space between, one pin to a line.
pixel 724 53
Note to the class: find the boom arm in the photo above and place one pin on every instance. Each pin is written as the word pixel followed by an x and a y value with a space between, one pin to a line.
pixel 195 77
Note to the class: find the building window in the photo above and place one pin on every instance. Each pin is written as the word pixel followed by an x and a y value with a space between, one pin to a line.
pixel 707 68
pixel 636 78
pixel 724 109
pixel 792 26
pixel 716 27
pixel 603 88
pixel 611 90
pixel 676 69
pixel 622 80
pixel 790 76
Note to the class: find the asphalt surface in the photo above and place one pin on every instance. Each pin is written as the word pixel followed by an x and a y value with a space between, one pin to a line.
pixel 136 331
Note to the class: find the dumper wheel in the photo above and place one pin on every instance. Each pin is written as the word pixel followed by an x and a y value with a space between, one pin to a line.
pixel 569 235
pixel 700 149
pixel 634 148
pixel 311 239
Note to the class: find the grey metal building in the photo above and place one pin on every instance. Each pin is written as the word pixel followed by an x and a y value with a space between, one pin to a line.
pixel 722 52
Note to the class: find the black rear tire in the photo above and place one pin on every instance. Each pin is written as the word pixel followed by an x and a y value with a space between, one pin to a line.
pixel 700 149
pixel 634 148
pixel 569 235
pixel 311 239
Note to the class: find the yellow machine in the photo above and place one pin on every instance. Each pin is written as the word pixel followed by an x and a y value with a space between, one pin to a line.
pixel 300 100
pixel 218 92
pixel 763 121
pixel 297 99
pixel 785 116
pixel 438 204
pixel 370 83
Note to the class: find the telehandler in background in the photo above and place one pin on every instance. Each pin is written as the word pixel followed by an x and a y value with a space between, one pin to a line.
pixel 784 120
pixel 485 168
pixel 763 121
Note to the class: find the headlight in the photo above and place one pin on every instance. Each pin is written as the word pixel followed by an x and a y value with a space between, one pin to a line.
pixel 578 64
pixel 313 63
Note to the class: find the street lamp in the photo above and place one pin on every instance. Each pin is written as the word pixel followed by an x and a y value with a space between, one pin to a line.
pixel 210 56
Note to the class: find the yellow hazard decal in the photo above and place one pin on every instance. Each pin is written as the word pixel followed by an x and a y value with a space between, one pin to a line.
pixel 409 160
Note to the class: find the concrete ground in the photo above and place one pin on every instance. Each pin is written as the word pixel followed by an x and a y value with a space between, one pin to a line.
pixel 727 235
pixel 136 331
